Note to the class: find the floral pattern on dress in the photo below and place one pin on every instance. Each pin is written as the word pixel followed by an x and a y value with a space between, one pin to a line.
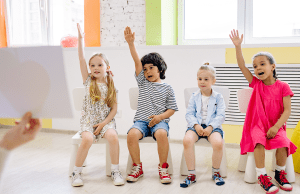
pixel 93 114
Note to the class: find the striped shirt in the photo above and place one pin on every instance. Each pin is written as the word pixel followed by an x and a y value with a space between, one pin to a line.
pixel 154 99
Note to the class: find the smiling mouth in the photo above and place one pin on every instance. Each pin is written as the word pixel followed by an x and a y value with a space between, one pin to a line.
pixel 149 76
pixel 261 73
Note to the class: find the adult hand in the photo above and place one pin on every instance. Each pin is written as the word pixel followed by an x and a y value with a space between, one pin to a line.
pixel 129 36
pixel 155 119
pixel 207 131
pixel 199 129
pixel 23 132
pixel 98 129
pixel 272 132
pixel 235 38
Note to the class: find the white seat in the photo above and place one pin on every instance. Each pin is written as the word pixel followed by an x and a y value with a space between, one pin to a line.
pixel 133 96
pixel 187 95
pixel 247 161
pixel 78 95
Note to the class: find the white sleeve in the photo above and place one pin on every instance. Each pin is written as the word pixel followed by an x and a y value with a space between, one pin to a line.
pixel 4 154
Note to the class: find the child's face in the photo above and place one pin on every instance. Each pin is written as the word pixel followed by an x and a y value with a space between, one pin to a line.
pixel 262 68
pixel 98 67
pixel 151 73
pixel 205 80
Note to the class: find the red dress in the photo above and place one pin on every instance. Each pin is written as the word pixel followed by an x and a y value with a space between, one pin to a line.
pixel 264 109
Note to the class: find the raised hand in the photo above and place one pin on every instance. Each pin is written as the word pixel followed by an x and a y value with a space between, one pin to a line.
pixel 80 33
pixel 235 38
pixel 128 35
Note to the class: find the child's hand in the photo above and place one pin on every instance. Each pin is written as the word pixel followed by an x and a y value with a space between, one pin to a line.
pixel 80 33
pixel 207 131
pixel 129 36
pixel 236 40
pixel 272 132
pixel 99 128
pixel 199 129
pixel 23 132
pixel 155 119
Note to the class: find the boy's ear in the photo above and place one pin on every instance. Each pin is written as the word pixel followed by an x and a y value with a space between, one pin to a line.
pixel 214 81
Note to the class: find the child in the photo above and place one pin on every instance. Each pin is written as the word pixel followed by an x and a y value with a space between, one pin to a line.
pixel 268 110
pixel 156 103
pixel 204 115
pixel 98 111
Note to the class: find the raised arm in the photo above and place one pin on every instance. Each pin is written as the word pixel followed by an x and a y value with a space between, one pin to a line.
pixel 237 41
pixel 129 37
pixel 83 66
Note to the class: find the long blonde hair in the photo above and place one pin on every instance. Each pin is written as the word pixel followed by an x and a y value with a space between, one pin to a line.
pixel 95 93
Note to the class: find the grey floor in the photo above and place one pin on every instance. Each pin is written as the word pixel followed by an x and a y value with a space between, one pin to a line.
pixel 42 167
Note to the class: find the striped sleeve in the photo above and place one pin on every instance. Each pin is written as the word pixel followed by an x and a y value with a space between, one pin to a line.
pixel 171 101
pixel 140 78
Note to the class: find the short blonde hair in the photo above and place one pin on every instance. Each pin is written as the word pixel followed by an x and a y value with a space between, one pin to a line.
pixel 209 68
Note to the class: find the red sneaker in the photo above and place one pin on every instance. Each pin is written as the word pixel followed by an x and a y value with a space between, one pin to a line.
pixel 136 173
pixel 163 174
pixel 282 181
pixel 267 185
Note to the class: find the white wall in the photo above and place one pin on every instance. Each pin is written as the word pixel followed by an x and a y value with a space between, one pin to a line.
pixel 182 61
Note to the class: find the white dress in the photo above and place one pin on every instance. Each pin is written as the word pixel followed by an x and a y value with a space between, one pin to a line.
pixel 93 114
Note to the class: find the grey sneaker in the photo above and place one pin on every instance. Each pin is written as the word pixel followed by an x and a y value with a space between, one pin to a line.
pixel 117 178
pixel 76 179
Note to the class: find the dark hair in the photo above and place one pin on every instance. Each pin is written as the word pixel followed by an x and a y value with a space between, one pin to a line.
pixel 270 58
pixel 157 60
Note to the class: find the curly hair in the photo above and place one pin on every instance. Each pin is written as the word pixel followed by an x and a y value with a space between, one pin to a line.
pixel 157 60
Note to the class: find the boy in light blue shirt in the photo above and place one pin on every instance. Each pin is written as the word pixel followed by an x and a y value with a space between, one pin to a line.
pixel 205 115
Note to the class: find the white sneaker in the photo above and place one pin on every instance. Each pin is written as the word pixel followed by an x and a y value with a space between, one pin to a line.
pixel 117 178
pixel 76 179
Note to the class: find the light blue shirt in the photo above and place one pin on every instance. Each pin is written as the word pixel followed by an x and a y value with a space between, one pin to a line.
pixel 215 112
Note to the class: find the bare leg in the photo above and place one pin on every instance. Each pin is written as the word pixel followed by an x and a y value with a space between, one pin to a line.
pixel 281 156
pixel 259 156
pixel 112 138
pixel 161 137
pixel 86 143
pixel 133 138
pixel 189 140
pixel 216 142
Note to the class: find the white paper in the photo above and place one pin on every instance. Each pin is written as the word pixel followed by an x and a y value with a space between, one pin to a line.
pixel 33 79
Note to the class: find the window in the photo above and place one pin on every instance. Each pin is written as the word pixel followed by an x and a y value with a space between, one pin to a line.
pixel 261 21
pixel 42 22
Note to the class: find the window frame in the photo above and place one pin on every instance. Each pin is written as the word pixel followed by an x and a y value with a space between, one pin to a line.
pixel 244 26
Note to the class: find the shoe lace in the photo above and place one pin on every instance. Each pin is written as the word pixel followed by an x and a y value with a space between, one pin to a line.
pixel 76 175
pixel 163 171
pixel 218 176
pixel 117 174
pixel 265 180
pixel 191 177
pixel 135 170
pixel 282 178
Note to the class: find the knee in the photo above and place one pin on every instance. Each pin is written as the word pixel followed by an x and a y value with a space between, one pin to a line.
pixel 112 137
pixel 133 136
pixel 87 141
pixel 161 134
pixel 187 142
pixel 259 146
pixel 218 146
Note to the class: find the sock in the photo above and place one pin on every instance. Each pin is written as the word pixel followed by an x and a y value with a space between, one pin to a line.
pixel 192 172
pixel 280 168
pixel 77 169
pixel 260 171
pixel 214 170
pixel 114 167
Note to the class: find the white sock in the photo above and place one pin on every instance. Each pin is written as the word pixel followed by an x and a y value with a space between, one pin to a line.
pixel 260 171
pixel 214 170
pixel 280 168
pixel 114 167
pixel 192 172
pixel 77 169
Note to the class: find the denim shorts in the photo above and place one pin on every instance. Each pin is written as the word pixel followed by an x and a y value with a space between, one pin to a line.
pixel 142 126
pixel 204 126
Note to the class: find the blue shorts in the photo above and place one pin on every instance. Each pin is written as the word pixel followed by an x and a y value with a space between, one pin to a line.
pixel 142 126
pixel 204 126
